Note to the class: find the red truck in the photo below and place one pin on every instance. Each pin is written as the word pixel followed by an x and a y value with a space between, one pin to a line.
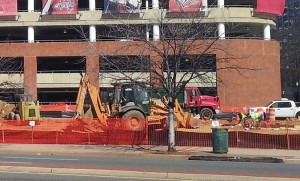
pixel 205 106
pixel 191 99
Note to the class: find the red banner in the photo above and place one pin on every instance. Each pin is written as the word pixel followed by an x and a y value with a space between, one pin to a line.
pixel 271 6
pixel 8 7
pixel 184 5
pixel 60 6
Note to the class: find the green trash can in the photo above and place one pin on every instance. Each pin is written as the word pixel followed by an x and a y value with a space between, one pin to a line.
pixel 220 140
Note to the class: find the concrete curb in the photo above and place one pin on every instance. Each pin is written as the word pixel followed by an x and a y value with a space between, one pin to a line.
pixel 136 174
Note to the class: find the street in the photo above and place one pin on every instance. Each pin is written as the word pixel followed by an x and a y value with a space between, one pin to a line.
pixel 51 177
pixel 153 164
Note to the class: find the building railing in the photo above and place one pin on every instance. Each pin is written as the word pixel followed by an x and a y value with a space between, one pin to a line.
pixel 149 7
pixel 103 39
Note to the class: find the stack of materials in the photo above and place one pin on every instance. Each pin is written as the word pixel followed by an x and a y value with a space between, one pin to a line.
pixel 5 109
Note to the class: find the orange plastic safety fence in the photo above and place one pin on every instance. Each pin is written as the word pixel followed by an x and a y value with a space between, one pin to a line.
pixel 60 131
pixel 242 109
pixel 72 131
pixel 57 107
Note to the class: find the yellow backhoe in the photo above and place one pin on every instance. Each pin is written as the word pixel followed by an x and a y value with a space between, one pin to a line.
pixel 159 115
pixel 130 102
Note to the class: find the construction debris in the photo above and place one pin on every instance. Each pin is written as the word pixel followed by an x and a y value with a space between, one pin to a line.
pixel 5 109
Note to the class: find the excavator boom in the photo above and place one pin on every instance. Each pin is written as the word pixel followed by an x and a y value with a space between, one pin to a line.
pixel 85 88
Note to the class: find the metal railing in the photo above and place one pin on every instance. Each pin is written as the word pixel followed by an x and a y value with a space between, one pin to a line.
pixel 117 39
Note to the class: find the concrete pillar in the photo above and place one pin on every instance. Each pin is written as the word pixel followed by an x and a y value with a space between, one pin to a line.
pixel 267 32
pixel 30 34
pixel 147 4
pixel 92 68
pixel 221 30
pixel 155 32
pixel 92 5
pixel 30 76
pixel 93 37
pixel 155 4
pixel 147 33
pixel 204 5
pixel 221 3
pixel 30 6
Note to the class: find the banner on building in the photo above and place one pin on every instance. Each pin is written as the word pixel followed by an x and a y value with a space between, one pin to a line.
pixel 122 6
pixel 8 8
pixel 271 6
pixel 184 5
pixel 59 7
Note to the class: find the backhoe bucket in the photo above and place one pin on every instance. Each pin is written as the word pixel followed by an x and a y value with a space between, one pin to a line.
pixel 193 122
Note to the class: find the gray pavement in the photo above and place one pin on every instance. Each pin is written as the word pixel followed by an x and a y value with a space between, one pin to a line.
pixel 288 156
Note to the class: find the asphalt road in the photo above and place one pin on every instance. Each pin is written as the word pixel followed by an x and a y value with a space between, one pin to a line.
pixel 51 177
pixel 154 164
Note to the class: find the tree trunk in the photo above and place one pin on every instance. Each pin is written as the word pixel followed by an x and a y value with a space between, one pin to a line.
pixel 171 143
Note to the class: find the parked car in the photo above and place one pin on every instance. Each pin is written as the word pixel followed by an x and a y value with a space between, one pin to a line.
pixel 284 108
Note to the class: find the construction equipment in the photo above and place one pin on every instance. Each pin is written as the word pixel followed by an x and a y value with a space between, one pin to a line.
pixel 128 101
pixel 160 112
pixel 191 100
pixel 25 109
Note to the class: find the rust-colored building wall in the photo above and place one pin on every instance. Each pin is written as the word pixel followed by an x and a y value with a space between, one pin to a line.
pixel 92 68
pixel 253 76
pixel 256 79
pixel 30 77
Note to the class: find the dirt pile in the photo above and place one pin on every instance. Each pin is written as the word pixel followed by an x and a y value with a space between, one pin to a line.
pixel 5 109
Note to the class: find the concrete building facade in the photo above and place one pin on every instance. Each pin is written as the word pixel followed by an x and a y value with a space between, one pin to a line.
pixel 42 43
pixel 287 32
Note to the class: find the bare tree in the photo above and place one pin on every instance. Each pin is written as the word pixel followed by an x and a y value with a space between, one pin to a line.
pixel 185 51
pixel 11 71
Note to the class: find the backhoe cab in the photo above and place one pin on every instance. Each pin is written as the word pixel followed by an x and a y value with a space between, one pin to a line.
pixel 129 101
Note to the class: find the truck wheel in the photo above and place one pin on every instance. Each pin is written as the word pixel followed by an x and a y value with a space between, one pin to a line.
pixel 135 120
pixel 298 115
pixel 206 112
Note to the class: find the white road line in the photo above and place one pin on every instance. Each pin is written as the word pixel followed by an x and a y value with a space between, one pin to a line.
pixel 32 158
pixel 17 162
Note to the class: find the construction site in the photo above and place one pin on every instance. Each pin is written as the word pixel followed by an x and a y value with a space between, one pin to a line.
pixel 48 48
pixel 135 120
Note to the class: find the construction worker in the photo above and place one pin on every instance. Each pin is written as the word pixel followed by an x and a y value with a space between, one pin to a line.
pixel 256 118
pixel 242 118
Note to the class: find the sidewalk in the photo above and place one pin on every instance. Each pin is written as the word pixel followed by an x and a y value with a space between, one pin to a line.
pixel 288 156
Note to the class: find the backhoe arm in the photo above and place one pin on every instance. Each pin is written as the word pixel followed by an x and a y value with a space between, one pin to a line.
pixel 85 87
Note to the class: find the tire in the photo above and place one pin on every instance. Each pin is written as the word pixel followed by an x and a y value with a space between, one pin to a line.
pixel 298 115
pixel 17 117
pixel 206 112
pixel 11 116
pixel 134 120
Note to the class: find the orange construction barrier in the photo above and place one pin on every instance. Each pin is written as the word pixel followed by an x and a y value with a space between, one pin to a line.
pixel 270 114
pixel 261 111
